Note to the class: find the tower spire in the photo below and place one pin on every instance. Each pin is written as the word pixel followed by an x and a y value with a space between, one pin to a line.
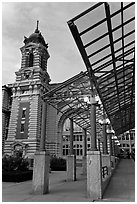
pixel 37 24
pixel 37 28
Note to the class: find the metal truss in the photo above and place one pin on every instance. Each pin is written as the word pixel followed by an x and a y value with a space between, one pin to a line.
pixel 68 97
pixel 105 37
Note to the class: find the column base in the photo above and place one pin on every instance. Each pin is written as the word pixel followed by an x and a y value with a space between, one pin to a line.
pixel 106 161
pixel 40 183
pixel 94 175
pixel 71 168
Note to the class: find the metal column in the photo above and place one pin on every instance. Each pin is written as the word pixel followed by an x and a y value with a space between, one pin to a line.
pixel 85 141
pixel 71 137
pixel 105 148
pixel 43 126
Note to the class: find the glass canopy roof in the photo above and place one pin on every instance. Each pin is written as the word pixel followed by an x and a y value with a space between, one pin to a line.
pixel 105 37
pixel 70 99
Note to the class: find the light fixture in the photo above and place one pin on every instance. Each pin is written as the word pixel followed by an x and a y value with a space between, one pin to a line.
pixel 104 121
pixel 92 100
pixel 98 99
pixel 114 137
pixel 87 99
pixel 110 131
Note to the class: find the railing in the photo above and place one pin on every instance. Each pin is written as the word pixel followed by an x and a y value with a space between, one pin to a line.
pixel 104 171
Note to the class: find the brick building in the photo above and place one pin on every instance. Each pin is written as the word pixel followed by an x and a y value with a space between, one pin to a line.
pixel 32 80
pixel 22 118
pixel 22 107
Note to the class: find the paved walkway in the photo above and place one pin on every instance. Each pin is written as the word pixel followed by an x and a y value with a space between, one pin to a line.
pixel 122 184
pixel 121 187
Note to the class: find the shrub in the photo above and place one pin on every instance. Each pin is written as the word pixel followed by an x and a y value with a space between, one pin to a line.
pixel 14 163
pixel 15 169
pixel 57 164
pixel 17 176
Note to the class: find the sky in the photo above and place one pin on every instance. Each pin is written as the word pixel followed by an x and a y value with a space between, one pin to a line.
pixel 19 20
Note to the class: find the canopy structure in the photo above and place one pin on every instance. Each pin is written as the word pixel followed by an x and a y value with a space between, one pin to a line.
pixel 70 99
pixel 105 37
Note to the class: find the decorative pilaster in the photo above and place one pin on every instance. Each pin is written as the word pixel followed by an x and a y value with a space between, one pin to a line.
pixel 33 118
pixel 13 119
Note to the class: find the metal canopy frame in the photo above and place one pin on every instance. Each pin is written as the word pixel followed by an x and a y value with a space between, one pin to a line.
pixel 105 37
pixel 68 99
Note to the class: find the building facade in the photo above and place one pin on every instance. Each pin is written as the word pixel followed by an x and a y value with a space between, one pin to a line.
pixel 22 108
pixel 22 119
pixel 6 110
pixel 32 80
pixel 127 142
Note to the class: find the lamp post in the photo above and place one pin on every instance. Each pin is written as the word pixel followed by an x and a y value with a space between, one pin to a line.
pixel 85 141
pixel 84 160
pixel 98 144
pixel 104 123
pixel 71 136
pixel 110 132
pixel 93 123
pixel 106 159
pixel 130 144
pixel 115 142
pixel 94 171
pixel 92 102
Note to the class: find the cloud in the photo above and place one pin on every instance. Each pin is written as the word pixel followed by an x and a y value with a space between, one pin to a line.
pixel 19 19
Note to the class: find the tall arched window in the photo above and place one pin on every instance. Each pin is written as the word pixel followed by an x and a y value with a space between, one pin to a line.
pixel 78 150
pixel 26 61
pixel 31 60
pixel 66 149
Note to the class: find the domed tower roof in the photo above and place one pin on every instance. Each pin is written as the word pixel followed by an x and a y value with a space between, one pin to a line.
pixel 36 37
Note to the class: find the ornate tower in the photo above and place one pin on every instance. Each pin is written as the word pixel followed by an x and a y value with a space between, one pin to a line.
pixel 32 80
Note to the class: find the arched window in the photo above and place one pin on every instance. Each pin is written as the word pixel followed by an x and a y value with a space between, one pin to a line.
pixel 127 137
pixel 123 137
pixel 26 60
pixel 127 145
pixel 78 150
pixel 81 150
pixel 31 60
pixel 65 150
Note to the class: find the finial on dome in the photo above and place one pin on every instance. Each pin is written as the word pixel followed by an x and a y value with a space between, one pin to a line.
pixel 37 24
pixel 37 29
